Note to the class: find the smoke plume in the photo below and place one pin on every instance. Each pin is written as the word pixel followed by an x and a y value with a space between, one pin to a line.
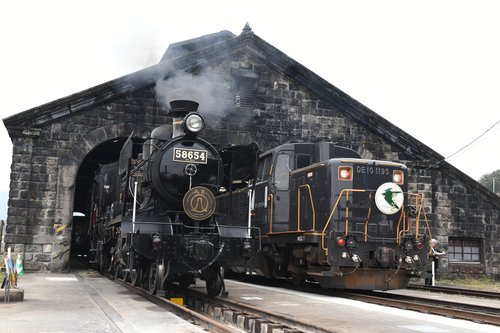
pixel 210 90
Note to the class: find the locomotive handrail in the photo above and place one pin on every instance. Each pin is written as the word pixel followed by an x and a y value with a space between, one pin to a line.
pixel 405 229
pixel 270 198
pixel 323 233
pixel 312 206
pixel 368 218
pixel 418 198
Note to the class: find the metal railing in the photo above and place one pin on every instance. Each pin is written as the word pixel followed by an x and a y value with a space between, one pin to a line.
pixel 408 222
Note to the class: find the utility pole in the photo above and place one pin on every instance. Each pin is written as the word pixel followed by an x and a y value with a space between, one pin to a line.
pixel 2 223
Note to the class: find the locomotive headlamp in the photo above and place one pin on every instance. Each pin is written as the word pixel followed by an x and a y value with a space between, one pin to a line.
pixel 351 243
pixel 398 177
pixel 193 123
pixel 345 173
pixel 408 245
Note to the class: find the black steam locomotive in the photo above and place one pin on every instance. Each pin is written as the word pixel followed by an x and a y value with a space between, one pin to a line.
pixel 329 216
pixel 154 220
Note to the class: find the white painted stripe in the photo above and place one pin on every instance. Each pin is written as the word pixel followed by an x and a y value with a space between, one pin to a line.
pixel 423 328
pixel 60 279
pixel 251 298
pixel 286 304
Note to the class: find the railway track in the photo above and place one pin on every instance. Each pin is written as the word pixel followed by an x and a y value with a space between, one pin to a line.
pixel 476 313
pixel 201 320
pixel 224 315
pixel 456 291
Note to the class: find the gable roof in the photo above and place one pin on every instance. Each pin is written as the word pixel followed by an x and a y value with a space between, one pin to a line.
pixel 195 52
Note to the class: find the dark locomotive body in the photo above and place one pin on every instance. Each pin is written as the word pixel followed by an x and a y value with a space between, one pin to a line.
pixel 327 215
pixel 154 219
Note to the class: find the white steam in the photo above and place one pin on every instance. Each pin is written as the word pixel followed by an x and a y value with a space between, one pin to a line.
pixel 211 91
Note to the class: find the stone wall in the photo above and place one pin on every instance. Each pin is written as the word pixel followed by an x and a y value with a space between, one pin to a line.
pixel 45 163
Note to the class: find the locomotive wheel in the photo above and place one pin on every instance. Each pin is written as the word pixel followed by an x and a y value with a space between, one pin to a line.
pixel 214 281
pixel 136 275
pixel 156 274
pixel 101 263
pixel 124 275
pixel 116 270
pixel 120 273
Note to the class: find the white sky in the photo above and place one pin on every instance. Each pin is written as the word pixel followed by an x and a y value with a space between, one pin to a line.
pixel 431 68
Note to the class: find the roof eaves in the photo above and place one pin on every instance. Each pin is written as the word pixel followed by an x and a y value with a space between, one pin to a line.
pixel 66 106
pixel 330 94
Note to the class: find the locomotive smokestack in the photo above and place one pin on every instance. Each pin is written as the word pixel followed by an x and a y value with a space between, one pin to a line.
pixel 183 106
pixel 178 110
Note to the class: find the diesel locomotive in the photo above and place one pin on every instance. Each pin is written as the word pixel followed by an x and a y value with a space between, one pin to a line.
pixel 154 217
pixel 329 216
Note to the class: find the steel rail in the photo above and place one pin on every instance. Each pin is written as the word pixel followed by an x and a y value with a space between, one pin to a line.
pixel 252 311
pixel 476 313
pixel 199 303
pixel 456 291
pixel 181 311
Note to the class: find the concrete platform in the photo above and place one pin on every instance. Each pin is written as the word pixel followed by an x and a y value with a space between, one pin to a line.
pixel 84 301
pixel 347 316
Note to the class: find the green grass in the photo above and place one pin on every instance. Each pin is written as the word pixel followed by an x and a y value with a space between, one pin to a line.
pixel 484 283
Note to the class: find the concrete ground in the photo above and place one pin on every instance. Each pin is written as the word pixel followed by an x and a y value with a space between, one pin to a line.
pixel 84 301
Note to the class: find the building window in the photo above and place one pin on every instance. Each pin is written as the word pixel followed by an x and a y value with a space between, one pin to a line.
pixel 464 250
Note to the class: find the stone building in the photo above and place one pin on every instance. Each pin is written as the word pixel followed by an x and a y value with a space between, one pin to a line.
pixel 250 91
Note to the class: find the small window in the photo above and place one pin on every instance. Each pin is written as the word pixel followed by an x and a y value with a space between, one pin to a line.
pixel 302 160
pixel 264 169
pixel 464 250
pixel 282 172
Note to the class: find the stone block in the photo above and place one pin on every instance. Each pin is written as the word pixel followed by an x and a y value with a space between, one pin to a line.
pixel 254 324
pixel 243 321
pixel 218 312
pixel 47 248
pixel 18 248
pixel 208 309
pixel 268 327
pixel 43 257
pixel 34 248
pixel 15 295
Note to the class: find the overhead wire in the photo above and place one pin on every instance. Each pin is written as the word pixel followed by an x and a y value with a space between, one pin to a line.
pixel 470 143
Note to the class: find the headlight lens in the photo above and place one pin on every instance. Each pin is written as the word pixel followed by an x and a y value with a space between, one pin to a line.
pixel 194 123
pixel 345 173
pixel 398 177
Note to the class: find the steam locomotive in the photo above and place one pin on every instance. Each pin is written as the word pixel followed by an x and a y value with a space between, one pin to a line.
pixel 154 217
pixel 329 216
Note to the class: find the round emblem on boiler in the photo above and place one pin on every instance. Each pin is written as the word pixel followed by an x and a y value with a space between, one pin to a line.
pixel 190 170
pixel 389 198
pixel 199 203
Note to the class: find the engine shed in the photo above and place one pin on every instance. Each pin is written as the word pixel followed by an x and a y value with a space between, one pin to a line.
pixel 249 91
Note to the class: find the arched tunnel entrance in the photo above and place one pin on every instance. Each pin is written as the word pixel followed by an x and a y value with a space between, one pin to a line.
pixel 104 153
